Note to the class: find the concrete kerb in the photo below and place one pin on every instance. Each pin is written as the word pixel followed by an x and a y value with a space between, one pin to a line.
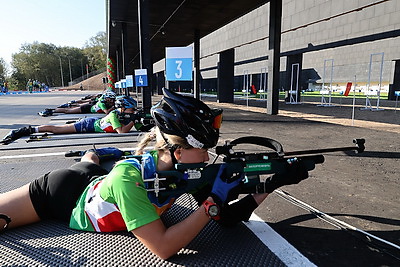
pixel 315 117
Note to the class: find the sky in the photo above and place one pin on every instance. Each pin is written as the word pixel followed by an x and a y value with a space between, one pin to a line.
pixel 58 22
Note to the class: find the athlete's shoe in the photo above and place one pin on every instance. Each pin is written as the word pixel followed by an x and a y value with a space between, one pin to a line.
pixel 66 105
pixel 46 112
pixel 18 133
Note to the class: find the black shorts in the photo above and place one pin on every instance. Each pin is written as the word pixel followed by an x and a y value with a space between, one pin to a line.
pixel 54 194
pixel 86 108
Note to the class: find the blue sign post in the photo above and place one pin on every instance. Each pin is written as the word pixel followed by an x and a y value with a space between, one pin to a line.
pixel 123 83
pixel 178 63
pixel 129 80
pixel 141 77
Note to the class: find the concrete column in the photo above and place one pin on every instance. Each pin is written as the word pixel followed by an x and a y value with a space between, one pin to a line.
pixel 145 52
pixel 275 25
pixel 225 76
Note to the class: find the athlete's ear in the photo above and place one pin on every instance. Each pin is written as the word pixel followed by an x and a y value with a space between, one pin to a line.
pixel 178 154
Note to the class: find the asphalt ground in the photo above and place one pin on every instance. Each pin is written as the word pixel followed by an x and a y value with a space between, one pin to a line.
pixel 359 189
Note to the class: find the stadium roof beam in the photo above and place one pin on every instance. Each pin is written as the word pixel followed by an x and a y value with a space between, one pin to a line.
pixel 175 23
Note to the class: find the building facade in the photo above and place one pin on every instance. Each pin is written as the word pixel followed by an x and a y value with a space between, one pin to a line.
pixel 331 41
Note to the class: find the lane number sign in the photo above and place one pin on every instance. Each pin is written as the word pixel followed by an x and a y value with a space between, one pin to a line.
pixel 178 63
pixel 141 77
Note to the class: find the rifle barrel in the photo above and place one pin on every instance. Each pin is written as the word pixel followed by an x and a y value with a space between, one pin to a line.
pixel 318 151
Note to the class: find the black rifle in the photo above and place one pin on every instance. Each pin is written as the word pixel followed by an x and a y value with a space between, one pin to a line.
pixel 187 178
pixel 139 117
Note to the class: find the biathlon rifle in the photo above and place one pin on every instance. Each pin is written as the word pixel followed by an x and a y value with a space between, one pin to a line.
pixel 139 117
pixel 187 178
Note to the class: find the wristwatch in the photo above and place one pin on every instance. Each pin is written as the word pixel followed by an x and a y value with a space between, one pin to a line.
pixel 212 210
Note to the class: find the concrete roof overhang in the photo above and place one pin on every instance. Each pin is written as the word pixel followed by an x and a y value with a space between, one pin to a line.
pixel 171 23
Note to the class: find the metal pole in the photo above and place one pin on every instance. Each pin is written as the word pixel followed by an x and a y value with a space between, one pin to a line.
pixel 380 83
pixel 369 82
pixel 82 67
pixel 196 80
pixel 354 99
pixel 117 63
pixel 123 40
pixel 70 73
pixel 62 78
pixel 323 79
pixel 297 65
pixel 145 52
pixel 330 86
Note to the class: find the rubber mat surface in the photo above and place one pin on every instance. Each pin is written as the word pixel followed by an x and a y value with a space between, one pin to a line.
pixel 52 243
pixel 60 116
pixel 71 140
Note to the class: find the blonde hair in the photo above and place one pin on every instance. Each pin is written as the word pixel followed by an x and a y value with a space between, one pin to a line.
pixel 162 141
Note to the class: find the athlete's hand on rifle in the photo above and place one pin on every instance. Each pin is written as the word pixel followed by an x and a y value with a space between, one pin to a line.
pixel 294 173
pixel 223 184
pixel 126 118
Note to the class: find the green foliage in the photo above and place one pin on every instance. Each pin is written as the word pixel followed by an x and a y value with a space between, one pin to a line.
pixel 35 61
pixel 15 84
pixel 46 62
pixel 3 69
pixel 96 52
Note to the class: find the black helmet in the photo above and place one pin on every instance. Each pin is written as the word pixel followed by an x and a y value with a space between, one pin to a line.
pixel 188 118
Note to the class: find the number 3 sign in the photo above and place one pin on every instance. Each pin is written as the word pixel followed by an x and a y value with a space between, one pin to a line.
pixel 178 63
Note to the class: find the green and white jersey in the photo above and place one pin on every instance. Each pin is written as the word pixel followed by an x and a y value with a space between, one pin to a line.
pixel 108 124
pixel 99 107
pixel 118 201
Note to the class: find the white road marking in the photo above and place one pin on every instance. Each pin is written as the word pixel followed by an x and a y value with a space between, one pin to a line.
pixel 276 243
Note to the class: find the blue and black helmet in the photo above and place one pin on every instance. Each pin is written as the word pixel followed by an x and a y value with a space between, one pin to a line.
pixel 109 94
pixel 124 101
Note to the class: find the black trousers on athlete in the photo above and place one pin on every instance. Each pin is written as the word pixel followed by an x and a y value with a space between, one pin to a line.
pixel 54 194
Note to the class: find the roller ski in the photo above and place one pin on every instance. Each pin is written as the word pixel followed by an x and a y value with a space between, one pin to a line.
pixel 6 142
pixel 70 104
pixel 46 112
pixel 42 137
pixel 16 134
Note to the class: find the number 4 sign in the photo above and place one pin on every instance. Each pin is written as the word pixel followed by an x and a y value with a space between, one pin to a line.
pixel 141 77
pixel 178 63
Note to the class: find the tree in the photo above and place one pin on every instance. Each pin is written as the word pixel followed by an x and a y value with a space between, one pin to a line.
pixel 54 65
pixel 73 62
pixel 42 61
pixel 36 61
pixel 3 69
pixel 96 51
